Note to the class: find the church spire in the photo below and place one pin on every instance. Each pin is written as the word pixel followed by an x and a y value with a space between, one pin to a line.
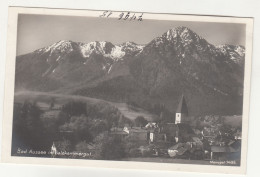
pixel 182 106
pixel 182 111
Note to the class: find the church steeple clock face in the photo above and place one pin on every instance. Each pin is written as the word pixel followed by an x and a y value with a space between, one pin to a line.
pixel 178 118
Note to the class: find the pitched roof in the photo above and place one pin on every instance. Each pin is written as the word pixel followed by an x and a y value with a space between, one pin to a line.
pixel 223 149
pixel 182 106
pixel 137 130
pixel 117 131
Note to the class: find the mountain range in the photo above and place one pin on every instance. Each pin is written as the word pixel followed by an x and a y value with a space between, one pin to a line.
pixel 175 63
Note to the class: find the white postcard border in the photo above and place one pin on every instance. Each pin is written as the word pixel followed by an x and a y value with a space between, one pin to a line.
pixel 9 95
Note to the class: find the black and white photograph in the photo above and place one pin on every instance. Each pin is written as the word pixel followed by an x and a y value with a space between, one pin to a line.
pixel 125 87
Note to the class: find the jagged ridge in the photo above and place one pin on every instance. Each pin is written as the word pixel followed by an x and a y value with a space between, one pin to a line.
pixel 177 61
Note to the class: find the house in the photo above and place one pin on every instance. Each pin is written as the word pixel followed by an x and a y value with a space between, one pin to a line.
pixel 118 132
pixel 196 142
pixel 178 149
pixel 236 144
pixel 137 133
pixel 193 148
pixel 237 135
pixel 151 125
pixel 171 132
pixel 223 152
pixel 156 136
pixel 210 133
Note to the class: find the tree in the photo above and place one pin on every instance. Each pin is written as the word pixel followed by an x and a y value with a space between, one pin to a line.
pixel 131 147
pixel 79 125
pixel 28 129
pixel 140 121
pixel 74 108
pixel 82 146
pixel 124 121
pixel 108 148
pixel 64 145
pixel 97 127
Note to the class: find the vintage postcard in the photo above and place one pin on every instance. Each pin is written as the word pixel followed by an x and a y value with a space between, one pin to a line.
pixel 127 90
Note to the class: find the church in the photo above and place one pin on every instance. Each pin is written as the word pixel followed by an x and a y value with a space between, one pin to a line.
pixel 179 131
pixel 181 115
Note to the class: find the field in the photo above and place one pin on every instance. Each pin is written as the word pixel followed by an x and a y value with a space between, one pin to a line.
pixel 43 100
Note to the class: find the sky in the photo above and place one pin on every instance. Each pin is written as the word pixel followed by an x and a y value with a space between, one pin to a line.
pixel 37 31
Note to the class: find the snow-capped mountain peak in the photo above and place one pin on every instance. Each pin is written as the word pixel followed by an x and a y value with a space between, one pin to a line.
pixel 234 52
pixel 178 60
pixel 108 49
pixel 184 34
pixel 131 47
pixel 98 47
pixel 62 46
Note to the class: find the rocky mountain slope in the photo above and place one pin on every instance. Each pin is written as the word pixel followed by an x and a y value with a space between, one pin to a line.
pixel 179 61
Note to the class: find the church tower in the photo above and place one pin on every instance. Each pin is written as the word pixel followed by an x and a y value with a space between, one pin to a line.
pixel 181 112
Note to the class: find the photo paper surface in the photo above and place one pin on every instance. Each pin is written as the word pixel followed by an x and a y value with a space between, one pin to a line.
pixel 127 90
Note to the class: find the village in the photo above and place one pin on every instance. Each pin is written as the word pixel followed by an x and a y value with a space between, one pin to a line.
pixel 83 128
pixel 182 139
